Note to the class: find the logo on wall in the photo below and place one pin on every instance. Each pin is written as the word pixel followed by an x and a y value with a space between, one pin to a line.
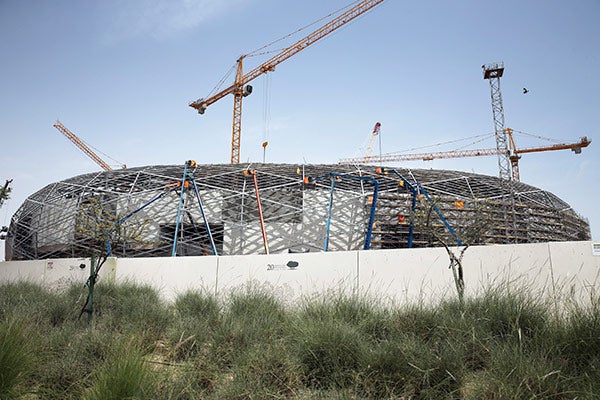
pixel 291 265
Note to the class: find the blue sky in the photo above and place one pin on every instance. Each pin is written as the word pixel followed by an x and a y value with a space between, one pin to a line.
pixel 120 74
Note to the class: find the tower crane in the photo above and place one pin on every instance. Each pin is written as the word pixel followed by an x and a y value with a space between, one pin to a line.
pixel 240 87
pixel 82 146
pixel 493 72
pixel 374 134
pixel 515 153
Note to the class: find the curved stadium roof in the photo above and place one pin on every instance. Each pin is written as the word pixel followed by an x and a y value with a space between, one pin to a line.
pixel 142 211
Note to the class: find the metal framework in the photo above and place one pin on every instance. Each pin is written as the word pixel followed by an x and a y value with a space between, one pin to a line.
pixel 137 210
pixel 493 72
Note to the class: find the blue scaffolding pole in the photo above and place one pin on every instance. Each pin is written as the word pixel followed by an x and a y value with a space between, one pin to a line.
pixel 178 218
pixel 329 211
pixel 206 226
pixel 416 189
pixel 371 222
pixel 177 185
pixel 131 214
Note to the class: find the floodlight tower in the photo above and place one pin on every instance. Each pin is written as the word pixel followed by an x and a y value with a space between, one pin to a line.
pixel 493 72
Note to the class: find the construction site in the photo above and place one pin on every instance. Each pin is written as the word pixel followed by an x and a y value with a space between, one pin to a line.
pixel 273 208
pixel 261 208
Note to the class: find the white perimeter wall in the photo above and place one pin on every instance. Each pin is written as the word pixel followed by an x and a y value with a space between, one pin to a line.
pixel 554 270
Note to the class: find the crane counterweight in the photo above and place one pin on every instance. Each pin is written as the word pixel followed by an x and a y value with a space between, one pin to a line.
pixel 199 105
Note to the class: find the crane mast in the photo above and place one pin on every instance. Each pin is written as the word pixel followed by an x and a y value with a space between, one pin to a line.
pixel 240 87
pixel 82 146
pixel 493 72
pixel 374 134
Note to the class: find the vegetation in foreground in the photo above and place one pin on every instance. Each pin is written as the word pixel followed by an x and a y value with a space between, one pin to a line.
pixel 250 345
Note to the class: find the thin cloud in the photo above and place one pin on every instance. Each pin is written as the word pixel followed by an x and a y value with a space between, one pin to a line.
pixel 161 19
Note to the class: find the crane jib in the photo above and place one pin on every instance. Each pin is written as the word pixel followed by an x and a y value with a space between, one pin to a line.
pixel 201 104
pixel 364 6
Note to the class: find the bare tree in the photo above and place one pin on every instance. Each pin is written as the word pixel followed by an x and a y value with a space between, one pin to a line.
pixel 5 192
pixel 471 222
pixel 100 227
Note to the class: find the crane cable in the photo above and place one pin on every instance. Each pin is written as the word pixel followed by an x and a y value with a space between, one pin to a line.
pixel 259 51
pixel 480 137
pixel 121 164
pixel 266 108
pixel 472 143
pixel 539 137
pixel 222 81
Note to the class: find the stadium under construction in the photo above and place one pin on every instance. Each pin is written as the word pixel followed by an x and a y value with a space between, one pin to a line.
pixel 231 209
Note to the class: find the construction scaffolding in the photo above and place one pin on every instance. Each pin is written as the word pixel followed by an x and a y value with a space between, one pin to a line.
pixel 194 210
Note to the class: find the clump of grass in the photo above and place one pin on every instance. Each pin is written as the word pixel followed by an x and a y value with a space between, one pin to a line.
pixel 69 356
pixel 503 314
pixel 579 343
pixel 514 374
pixel 330 353
pixel 130 308
pixel 264 371
pixel 125 375
pixel 251 315
pixel 500 344
pixel 181 383
pixel 197 316
pixel 16 359
pixel 422 321
pixel 410 368
pixel 31 302
pixel 198 304
pixel 361 311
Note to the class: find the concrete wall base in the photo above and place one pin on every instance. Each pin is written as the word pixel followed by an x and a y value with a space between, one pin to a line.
pixel 557 271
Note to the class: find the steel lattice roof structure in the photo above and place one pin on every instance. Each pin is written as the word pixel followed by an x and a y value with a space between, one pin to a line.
pixel 214 209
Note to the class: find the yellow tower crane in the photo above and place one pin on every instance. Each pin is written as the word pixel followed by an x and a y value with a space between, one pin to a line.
pixel 514 153
pixel 374 134
pixel 240 87
pixel 82 146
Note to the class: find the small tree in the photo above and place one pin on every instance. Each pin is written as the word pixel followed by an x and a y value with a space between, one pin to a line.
pixel 5 192
pixel 473 222
pixel 100 227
